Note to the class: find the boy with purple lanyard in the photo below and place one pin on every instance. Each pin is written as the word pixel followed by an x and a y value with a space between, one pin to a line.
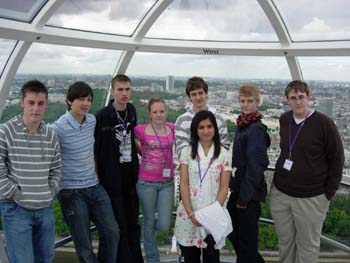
pixel 308 173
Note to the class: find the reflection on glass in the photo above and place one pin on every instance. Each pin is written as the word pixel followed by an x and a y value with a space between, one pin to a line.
pixel 224 20
pixel 58 67
pixel 6 47
pixel 309 20
pixel 22 10
pixel 106 16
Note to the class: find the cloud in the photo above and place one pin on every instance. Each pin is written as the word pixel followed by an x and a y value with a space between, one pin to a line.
pixel 116 17
pixel 79 7
pixel 225 20
pixel 129 9
pixel 316 26
pixel 53 59
pixel 316 20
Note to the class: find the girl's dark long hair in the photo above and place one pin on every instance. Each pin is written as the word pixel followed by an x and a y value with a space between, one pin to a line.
pixel 194 140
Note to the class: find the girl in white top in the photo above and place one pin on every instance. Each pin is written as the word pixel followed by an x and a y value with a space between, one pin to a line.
pixel 205 170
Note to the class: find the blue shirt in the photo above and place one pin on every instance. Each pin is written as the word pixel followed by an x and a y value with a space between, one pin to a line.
pixel 77 151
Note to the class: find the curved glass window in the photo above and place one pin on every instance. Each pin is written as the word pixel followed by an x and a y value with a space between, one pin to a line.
pixel 224 20
pixel 326 68
pixel 227 67
pixel 6 47
pixel 58 67
pixel 329 80
pixel 55 59
pixel 20 10
pixel 104 16
pixel 223 74
pixel 310 20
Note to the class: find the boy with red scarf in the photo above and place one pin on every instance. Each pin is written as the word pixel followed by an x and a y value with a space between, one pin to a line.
pixel 248 186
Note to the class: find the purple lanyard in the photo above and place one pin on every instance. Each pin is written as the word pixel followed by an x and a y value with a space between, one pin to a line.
pixel 291 143
pixel 201 179
pixel 165 155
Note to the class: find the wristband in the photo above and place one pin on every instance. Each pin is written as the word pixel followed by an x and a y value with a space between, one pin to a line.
pixel 191 214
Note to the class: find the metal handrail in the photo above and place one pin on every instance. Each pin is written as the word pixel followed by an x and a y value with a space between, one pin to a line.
pixel 65 240
pixel 262 220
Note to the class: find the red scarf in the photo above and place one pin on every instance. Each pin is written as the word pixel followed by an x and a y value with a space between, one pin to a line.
pixel 244 120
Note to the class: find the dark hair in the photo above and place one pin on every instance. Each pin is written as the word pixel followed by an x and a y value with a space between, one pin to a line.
pixel 201 116
pixel 297 85
pixel 195 83
pixel 155 100
pixel 78 90
pixel 33 86
pixel 119 78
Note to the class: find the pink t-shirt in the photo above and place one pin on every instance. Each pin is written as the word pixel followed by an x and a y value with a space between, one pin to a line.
pixel 157 154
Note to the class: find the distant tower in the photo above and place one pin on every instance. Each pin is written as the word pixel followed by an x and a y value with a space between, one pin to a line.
pixel 169 84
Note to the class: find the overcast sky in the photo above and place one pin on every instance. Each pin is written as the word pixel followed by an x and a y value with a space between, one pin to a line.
pixel 224 20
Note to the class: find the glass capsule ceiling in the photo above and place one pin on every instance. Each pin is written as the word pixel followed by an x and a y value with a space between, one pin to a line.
pixel 268 42
pixel 265 39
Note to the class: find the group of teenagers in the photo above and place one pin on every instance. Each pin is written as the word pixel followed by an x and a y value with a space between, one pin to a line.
pixel 91 164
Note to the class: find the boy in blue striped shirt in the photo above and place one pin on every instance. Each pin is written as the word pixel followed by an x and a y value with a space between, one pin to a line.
pixel 81 197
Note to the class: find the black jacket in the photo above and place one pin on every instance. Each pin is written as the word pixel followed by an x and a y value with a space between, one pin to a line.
pixel 116 177
pixel 249 157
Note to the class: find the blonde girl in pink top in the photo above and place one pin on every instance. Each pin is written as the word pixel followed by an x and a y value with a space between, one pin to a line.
pixel 155 187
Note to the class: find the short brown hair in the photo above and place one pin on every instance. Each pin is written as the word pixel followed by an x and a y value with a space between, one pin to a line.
pixel 297 85
pixel 119 78
pixel 249 90
pixel 33 86
pixel 195 83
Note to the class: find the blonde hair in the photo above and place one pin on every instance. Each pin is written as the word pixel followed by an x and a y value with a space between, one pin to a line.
pixel 249 90
pixel 155 100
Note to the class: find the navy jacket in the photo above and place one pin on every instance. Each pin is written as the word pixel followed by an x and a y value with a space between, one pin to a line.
pixel 249 157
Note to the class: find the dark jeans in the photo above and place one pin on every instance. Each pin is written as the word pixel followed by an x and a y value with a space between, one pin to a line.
pixel 244 236
pixel 79 206
pixel 210 254
pixel 126 210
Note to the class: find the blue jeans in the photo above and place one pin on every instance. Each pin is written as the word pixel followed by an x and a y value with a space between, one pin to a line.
pixel 155 197
pixel 79 206
pixel 29 234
